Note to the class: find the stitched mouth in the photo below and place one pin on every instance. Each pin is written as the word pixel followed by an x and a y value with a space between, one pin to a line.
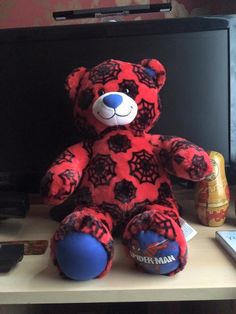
pixel 114 114
pixel 125 115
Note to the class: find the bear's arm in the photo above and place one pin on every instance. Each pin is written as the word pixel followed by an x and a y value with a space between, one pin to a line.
pixel 64 175
pixel 182 158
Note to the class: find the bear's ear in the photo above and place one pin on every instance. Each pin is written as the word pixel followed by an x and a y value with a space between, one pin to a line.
pixel 73 81
pixel 156 70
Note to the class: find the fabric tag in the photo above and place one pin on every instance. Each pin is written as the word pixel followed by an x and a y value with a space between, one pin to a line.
pixel 188 231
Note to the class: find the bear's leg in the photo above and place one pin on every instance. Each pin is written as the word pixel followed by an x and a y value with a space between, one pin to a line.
pixel 82 247
pixel 155 241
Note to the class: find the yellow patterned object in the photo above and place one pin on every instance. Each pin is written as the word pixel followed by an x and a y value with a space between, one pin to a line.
pixel 212 194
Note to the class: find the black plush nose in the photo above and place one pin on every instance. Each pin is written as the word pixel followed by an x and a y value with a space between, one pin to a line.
pixel 112 100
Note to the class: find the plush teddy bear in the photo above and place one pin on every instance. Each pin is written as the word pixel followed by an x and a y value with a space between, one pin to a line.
pixel 119 174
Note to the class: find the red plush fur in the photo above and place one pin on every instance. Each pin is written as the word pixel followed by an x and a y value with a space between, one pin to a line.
pixel 119 174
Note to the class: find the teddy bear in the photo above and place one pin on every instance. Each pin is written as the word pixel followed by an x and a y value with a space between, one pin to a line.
pixel 119 174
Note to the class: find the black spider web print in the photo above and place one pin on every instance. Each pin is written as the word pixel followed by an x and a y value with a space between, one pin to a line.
pixel 105 72
pixel 144 167
pixel 71 176
pixel 164 192
pixel 84 196
pixel 70 180
pixel 119 143
pixel 198 167
pixel 166 228
pixel 166 138
pixel 125 191
pixel 166 160
pixel 66 156
pixel 172 214
pixel 155 221
pixel 143 76
pixel 183 144
pixel 146 113
pixel 101 170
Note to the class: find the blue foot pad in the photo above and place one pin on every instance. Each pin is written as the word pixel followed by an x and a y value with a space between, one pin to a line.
pixel 154 253
pixel 80 256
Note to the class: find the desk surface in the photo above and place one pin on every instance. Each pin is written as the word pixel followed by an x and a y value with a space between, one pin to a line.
pixel 210 273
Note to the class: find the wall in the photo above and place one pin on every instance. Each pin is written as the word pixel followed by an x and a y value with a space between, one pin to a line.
pixel 29 13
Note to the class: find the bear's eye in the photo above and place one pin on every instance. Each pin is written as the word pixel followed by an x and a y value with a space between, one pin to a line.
pixel 126 90
pixel 129 87
pixel 101 92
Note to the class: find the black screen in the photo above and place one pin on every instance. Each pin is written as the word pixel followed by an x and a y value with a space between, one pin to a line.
pixel 36 117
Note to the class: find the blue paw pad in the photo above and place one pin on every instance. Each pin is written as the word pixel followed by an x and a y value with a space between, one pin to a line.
pixel 154 253
pixel 80 256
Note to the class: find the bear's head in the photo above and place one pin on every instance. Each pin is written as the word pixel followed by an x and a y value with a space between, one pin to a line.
pixel 116 94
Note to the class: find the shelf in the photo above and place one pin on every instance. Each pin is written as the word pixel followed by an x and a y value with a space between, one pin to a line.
pixel 210 273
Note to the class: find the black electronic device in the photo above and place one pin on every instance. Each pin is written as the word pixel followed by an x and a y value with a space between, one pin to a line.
pixel 10 255
pixel 112 11
pixel 36 124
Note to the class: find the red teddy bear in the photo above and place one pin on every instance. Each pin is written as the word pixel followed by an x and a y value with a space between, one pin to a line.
pixel 119 174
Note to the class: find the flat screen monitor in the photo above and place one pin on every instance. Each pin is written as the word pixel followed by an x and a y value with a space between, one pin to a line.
pixel 36 123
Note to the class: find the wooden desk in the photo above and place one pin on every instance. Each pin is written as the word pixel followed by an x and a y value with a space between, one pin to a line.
pixel 209 275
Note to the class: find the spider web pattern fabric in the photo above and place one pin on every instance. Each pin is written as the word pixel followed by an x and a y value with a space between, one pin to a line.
pixel 101 170
pixel 105 72
pixel 144 167
pixel 162 224
pixel 145 117
pixel 143 76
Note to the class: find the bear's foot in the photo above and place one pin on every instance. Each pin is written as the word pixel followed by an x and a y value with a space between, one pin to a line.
pixel 156 243
pixel 80 256
pixel 82 247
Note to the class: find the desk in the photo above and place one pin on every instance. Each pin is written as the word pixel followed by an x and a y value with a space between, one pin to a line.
pixel 209 275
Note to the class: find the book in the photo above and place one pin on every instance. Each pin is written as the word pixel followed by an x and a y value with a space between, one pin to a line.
pixel 227 238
